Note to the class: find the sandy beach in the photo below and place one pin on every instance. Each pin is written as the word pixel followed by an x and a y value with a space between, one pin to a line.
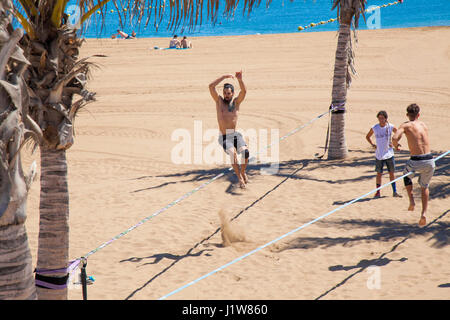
pixel 121 170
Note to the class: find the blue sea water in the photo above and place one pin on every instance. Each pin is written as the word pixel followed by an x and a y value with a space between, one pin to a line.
pixel 282 16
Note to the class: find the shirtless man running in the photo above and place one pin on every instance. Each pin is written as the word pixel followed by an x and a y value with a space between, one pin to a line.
pixel 421 159
pixel 227 114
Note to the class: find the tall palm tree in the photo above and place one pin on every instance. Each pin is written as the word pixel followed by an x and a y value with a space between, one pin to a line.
pixel 55 75
pixel 347 10
pixel 16 273
pixel 55 78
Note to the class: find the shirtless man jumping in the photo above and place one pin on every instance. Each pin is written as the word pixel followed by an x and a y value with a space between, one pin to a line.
pixel 227 114
pixel 421 159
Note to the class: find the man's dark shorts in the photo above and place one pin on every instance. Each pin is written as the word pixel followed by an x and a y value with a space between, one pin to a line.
pixel 390 165
pixel 231 140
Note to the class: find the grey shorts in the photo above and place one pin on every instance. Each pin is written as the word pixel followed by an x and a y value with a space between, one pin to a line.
pixel 232 140
pixel 390 165
pixel 425 168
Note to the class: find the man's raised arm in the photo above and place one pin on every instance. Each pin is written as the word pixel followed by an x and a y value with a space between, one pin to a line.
pixel 243 88
pixel 212 86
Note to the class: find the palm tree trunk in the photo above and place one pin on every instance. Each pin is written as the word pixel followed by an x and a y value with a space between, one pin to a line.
pixel 16 272
pixel 338 146
pixel 53 248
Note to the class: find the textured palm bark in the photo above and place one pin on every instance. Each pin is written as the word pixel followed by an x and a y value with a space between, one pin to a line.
pixel 341 80
pixel 16 272
pixel 53 243
pixel 56 80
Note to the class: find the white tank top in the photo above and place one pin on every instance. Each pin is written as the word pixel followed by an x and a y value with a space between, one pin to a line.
pixel 383 136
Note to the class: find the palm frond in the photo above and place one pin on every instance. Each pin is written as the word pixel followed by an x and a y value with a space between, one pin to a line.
pixel 25 23
pixel 29 7
pixel 357 7
pixel 58 10
pixel 88 14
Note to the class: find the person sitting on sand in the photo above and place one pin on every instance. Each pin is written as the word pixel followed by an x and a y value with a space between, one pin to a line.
pixel 227 110
pixel 174 43
pixel 124 35
pixel 384 153
pixel 185 43
pixel 421 160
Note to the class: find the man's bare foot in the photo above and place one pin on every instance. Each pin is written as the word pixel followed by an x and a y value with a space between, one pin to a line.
pixel 422 221
pixel 244 176
pixel 411 206
pixel 241 183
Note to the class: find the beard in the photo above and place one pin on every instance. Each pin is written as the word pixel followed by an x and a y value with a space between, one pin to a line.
pixel 227 100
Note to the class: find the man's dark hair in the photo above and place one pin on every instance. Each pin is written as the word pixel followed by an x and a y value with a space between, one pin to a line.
pixel 228 85
pixel 382 113
pixel 412 111
pixel 175 36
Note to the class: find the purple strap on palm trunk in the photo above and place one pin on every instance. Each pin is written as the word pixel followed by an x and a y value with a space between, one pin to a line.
pixel 72 265
pixel 337 106
pixel 50 285
pixel 69 270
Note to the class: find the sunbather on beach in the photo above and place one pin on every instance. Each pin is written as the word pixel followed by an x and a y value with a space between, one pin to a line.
pixel 124 35
pixel 185 43
pixel 174 43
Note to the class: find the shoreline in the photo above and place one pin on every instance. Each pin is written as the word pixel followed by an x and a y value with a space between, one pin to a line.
pixel 285 33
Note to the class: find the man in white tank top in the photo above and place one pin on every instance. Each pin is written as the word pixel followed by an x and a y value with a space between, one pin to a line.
pixel 384 153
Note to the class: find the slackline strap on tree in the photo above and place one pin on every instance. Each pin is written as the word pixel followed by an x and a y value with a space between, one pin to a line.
pixel 338 108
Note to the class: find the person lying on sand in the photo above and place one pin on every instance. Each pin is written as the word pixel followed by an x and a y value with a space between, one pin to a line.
pixel 421 160
pixel 123 35
pixel 227 114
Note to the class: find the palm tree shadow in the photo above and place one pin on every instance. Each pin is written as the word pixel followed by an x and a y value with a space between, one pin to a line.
pixel 382 260
pixel 385 230
pixel 379 262
pixel 360 200
pixel 253 169
pixel 204 175
pixel 158 257
pixel 176 258
pixel 437 190
pixel 441 191
pixel 357 158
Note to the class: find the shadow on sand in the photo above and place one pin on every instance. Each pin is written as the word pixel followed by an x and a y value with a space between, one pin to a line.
pixel 439 229
pixel 176 258
pixel 359 158
pixel 386 230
